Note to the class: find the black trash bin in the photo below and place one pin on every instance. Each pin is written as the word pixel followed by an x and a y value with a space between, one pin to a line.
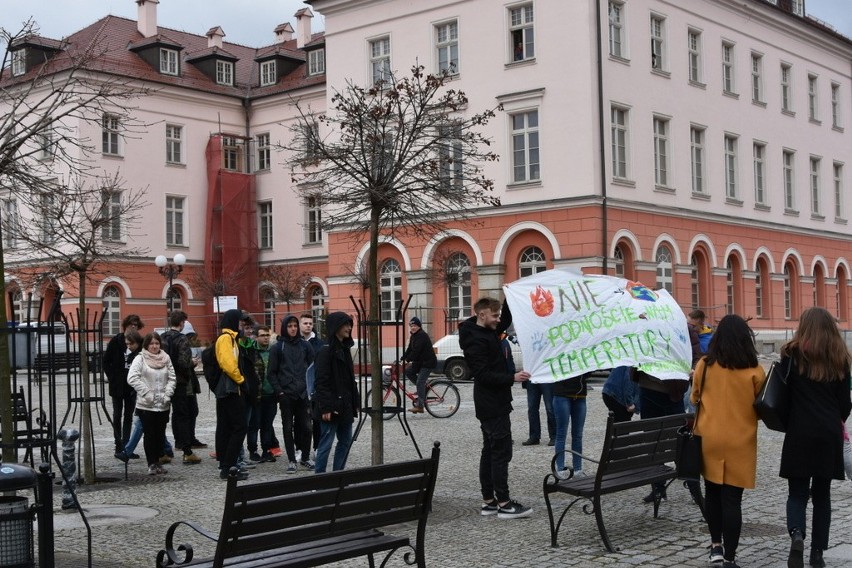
pixel 16 519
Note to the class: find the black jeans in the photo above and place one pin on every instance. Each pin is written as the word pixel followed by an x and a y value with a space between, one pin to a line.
pixel 797 503
pixel 154 431
pixel 297 431
pixel 230 429
pixel 619 411
pixel 122 418
pixel 267 410
pixel 252 425
pixel 723 508
pixel 495 458
pixel 184 411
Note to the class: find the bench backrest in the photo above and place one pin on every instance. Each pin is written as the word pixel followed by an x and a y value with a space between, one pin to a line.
pixel 640 443
pixel 270 514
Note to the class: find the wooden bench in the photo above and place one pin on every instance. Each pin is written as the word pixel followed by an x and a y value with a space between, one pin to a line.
pixel 316 519
pixel 634 454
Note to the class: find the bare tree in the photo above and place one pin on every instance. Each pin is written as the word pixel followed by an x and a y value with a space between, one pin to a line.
pixel 49 97
pixel 402 156
pixel 289 283
pixel 218 282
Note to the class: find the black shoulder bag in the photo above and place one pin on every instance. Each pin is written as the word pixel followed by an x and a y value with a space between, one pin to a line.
pixel 688 457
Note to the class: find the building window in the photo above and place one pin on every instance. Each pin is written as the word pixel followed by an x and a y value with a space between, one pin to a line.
pixel 658 33
pixel 19 62
pixel 815 201
pixel 838 191
pixel 174 144
pixel 268 73
pixel 175 207
pixel 49 215
pixel 16 298
pixel 11 223
pixel 532 262
pixel 835 106
pixel 112 311
pixel 457 272
pixel 788 292
pixel 168 61
pixel 619 142
pixel 313 224
pixel 787 158
pixel 665 269
pixel 269 308
pixel 812 97
pixel 312 141
pixel 756 78
pixel 316 62
pixel 318 310
pixel 224 72
pixel 174 299
pixel 728 84
pixel 447 46
pixel 694 282
pixel 391 289
pixel 522 32
pixel 661 151
pixel 733 284
pixel 111 215
pixel 232 153
pixel 731 167
pixel 263 152
pixel 380 60
pixel 264 226
pixel 451 158
pixel 786 100
pixel 525 148
pixel 46 145
pixel 109 134
pixel 696 140
pixel 759 151
pixel 616 29
pixel 759 278
pixel 694 44
pixel 797 7
pixel 618 261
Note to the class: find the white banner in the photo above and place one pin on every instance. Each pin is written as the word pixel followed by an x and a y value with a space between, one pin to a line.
pixel 569 323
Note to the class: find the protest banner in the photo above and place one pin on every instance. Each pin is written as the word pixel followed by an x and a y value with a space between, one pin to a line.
pixel 568 323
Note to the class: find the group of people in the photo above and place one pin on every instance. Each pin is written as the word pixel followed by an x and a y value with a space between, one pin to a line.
pixel 310 381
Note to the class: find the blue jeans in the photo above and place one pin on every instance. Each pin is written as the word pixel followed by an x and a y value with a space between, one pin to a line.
pixel 136 435
pixel 419 379
pixel 536 392
pixel 342 429
pixel 569 411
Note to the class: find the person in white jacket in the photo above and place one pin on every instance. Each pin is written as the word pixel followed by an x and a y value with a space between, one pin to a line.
pixel 152 376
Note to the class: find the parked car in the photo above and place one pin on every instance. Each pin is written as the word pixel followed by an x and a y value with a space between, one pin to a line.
pixel 451 359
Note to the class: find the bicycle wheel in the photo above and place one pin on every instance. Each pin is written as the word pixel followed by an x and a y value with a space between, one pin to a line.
pixel 390 403
pixel 442 398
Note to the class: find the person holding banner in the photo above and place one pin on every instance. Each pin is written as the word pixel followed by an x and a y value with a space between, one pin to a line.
pixel 479 338
pixel 569 406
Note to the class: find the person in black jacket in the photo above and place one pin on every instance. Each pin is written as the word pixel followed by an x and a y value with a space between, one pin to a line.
pixel 422 361
pixel 116 364
pixel 336 392
pixel 479 338
pixel 184 400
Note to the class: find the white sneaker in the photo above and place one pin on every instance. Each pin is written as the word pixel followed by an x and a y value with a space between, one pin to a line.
pixel 580 473
pixel 563 474
pixel 513 510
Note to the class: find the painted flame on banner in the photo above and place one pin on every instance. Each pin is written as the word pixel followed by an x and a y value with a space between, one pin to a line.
pixel 542 302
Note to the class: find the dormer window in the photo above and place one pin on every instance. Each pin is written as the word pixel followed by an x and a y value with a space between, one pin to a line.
pixel 224 72
pixel 19 62
pixel 268 73
pixel 316 62
pixel 168 61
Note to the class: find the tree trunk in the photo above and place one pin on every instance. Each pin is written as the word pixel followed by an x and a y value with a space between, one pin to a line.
pixel 6 417
pixel 86 414
pixel 375 303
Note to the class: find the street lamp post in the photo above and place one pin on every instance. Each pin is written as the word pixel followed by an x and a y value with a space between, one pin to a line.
pixel 170 270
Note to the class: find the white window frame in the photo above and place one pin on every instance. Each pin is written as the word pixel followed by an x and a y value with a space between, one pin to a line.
pixel 316 61
pixel 451 157
pixel 697 139
pixel 797 7
pixel 224 72
pixel 659 61
pixel 47 210
pixel 662 151
pixel 620 132
pixel 532 262
pixel 169 61
pixel 695 61
pixel 617 28
pixel 729 72
pixel 19 62
pixel 757 78
pixel 837 178
pixel 111 302
pixel 390 286
pixel 313 220
pixel 730 153
pixel 264 152
pixel 814 175
pixel 47 147
pixel 530 152
pixel 459 302
pixel 447 47
pixel 836 115
pixel 813 97
pixel 665 267
pixel 521 32
pixel 112 229
pixel 318 310
pixel 380 59
pixel 174 144
pixel 788 177
pixel 232 153
pixel 110 135
pixel 786 79
pixel 268 73
pixel 264 224
pixel 759 156
pixel 176 217
pixel 11 222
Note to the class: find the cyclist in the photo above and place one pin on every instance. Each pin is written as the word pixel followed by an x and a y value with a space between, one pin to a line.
pixel 420 356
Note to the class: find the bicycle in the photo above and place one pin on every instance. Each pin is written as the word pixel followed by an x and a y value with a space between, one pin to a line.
pixel 442 396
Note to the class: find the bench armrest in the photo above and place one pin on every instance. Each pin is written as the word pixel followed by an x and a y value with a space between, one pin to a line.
pixel 553 462
pixel 168 556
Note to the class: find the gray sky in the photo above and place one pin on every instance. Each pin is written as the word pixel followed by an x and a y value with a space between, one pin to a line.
pixel 248 22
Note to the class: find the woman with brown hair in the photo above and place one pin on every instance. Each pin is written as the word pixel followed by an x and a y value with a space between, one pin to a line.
pixel 818 387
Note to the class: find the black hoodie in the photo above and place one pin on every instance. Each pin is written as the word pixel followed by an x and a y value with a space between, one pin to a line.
pixel 336 391
pixel 289 359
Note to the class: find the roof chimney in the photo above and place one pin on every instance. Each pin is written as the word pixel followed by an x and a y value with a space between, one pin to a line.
pixel 303 27
pixel 214 37
pixel 284 32
pixel 146 17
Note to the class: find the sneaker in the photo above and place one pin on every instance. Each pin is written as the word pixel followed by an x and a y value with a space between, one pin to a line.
pixel 241 476
pixel 580 473
pixel 530 442
pixel 166 459
pixel 255 457
pixel 796 559
pixel 122 456
pixel 730 564
pixel 134 456
pixel 247 465
pixel 551 442
pixel 416 410
pixel 152 469
pixel 717 555
pixel 513 510
pixel 197 444
pixel 267 457
pixel 191 459
pixel 489 509
pixel 161 470
pixel 563 474
pixel 308 464
pixel 291 468
pixel 816 559
pixel 276 452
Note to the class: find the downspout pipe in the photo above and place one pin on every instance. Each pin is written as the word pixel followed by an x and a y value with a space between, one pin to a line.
pixel 601 127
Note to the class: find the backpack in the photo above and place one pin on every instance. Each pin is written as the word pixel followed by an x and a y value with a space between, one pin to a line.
pixel 212 370
pixel 167 345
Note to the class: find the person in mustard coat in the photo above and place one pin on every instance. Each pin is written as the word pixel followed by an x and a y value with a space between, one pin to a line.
pixel 726 382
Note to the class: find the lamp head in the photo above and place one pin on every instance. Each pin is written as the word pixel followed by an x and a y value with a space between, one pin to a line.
pixel 161 261
pixel 180 259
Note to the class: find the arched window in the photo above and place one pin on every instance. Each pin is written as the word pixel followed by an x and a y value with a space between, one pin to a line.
pixel 318 310
pixel 458 286
pixel 269 308
pixel 174 300
pixel 761 289
pixel 623 261
pixel 791 289
pixel 819 286
pixel 842 294
pixel 532 261
pixel 391 287
pixel 733 285
pixel 665 269
pixel 694 282
pixel 618 261
pixel 112 311
pixel 16 300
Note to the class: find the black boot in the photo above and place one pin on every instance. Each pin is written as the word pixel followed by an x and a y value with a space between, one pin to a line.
pixel 797 550
pixel 816 558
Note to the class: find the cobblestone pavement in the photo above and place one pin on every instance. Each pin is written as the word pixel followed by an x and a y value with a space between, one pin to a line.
pixel 129 518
